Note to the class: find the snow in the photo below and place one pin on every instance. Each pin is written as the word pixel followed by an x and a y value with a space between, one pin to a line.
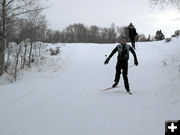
pixel 70 101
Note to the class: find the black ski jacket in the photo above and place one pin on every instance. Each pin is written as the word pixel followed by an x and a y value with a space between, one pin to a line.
pixel 119 57
pixel 132 32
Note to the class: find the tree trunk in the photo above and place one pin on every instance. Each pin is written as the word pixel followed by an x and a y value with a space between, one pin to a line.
pixel 3 43
pixel 40 50
pixel 2 57
pixel 17 61
pixel 8 55
pixel 30 53
pixel 25 50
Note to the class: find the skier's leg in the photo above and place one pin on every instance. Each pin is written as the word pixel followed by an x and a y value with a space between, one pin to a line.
pixel 133 44
pixel 125 76
pixel 118 72
pixel 131 41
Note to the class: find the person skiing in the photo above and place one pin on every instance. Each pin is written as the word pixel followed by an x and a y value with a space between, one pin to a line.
pixel 132 34
pixel 122 61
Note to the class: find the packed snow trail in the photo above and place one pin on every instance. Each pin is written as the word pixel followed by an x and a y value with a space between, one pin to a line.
pixel 70 101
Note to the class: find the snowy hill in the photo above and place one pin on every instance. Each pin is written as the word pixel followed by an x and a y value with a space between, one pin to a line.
pixel 70 101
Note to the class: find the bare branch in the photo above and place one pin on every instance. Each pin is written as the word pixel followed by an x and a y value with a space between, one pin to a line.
pixel 18 8
pixel 163 3
pixel 21 13
pixel 1 2
pixel 9 3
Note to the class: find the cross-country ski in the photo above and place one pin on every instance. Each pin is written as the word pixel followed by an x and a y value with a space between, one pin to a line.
pixel 110 88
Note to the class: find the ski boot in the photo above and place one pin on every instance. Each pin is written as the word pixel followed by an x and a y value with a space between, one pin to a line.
pixel 114 85
pixel 128 91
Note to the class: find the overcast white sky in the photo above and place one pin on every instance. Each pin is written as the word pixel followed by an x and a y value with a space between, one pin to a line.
pixel 121 12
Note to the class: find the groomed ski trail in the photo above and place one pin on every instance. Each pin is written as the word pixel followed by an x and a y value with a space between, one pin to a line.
pixel 69 102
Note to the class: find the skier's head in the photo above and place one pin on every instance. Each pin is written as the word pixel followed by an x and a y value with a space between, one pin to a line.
pixel 131 25
pixel 123 39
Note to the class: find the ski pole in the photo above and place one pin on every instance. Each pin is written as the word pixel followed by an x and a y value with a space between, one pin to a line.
pixel 131 66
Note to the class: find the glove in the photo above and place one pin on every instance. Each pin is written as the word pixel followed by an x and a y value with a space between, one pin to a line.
pixel 136 62
pixel 106 61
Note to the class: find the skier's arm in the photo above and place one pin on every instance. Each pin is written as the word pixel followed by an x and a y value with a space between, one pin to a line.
pixel 112 53
pixel 134 54
pixel 135 33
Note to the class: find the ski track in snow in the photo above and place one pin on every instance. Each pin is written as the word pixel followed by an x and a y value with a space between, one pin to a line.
pixel 71 101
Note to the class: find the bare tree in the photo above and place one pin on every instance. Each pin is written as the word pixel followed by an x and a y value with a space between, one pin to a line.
pixel 9 10
pixel 18 51
pixel 163 3
pixel 94 34
pixel 34 22
pixel 49 36
pixel 112 34
pixel 23 29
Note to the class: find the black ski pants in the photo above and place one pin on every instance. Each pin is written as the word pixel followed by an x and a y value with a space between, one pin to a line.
pixel 133 42
pixel 122 65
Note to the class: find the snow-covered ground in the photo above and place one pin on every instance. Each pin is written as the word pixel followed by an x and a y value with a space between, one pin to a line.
pixel 70 101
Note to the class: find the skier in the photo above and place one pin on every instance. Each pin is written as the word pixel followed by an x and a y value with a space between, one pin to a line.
pixel 132 34
pixel 122 61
